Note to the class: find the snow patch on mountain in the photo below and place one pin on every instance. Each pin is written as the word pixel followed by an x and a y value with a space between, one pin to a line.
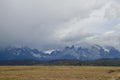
pixel 36 55
pixel 50 51
pixel 105 49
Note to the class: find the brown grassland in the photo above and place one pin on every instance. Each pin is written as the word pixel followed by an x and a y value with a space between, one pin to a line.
pixel 59 73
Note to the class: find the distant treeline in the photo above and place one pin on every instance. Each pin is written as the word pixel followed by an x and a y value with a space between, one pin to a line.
pixel 98 62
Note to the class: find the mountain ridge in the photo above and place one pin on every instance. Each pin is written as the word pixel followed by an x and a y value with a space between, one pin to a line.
pixel 69 53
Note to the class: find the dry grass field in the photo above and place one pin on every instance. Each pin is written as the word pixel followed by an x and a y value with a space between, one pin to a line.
pixel 59 73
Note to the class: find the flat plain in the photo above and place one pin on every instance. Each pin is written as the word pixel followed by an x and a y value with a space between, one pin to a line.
pixel 59 73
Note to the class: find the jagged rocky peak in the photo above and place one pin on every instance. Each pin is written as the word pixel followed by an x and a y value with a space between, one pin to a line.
pixel 70 47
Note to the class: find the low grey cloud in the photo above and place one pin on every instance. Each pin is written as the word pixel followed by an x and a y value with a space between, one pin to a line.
pixel 51 24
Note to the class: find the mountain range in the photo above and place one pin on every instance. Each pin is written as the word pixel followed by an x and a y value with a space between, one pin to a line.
pixel 68 53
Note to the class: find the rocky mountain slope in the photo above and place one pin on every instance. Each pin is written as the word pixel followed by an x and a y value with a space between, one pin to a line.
pixel 69 53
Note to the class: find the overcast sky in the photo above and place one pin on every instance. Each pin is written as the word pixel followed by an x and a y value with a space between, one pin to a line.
pixel 52 24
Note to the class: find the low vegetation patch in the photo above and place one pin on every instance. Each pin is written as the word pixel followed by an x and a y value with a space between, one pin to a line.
pixel 118 78
pixel 111 71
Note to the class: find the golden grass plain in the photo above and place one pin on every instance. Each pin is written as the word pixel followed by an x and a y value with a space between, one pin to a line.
pixel 59 73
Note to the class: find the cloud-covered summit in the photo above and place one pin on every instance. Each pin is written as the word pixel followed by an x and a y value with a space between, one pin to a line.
pixel 49 24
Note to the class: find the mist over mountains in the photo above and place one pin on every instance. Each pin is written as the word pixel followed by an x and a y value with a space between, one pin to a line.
pixel 45 24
